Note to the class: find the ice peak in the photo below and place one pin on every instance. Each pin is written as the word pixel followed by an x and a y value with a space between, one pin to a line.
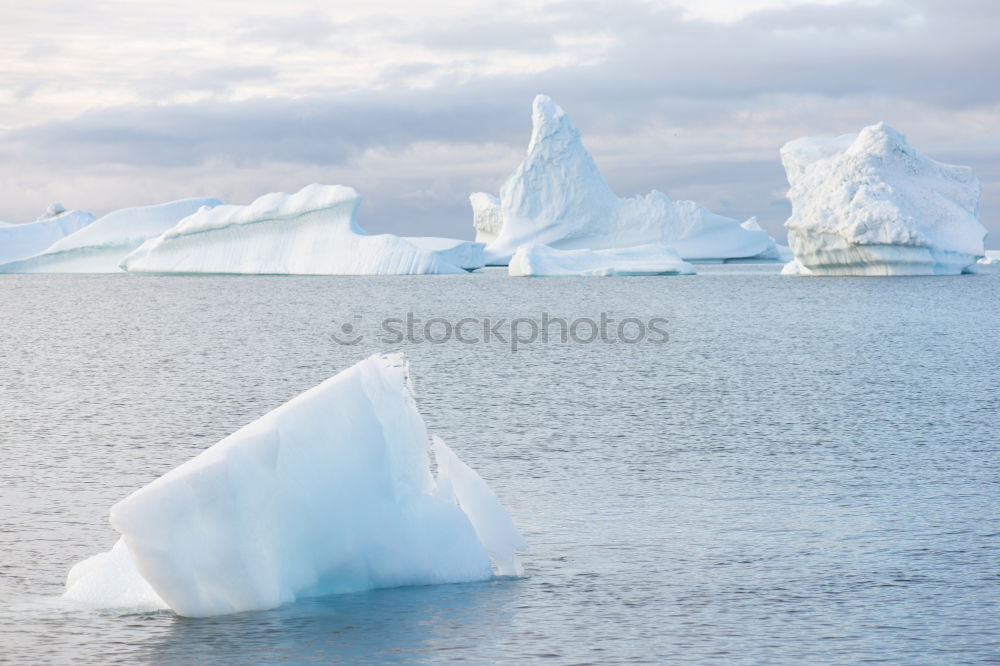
pixel 879 139
pixel 548 119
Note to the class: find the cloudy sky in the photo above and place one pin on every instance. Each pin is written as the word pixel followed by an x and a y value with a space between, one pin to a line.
pixel 108 104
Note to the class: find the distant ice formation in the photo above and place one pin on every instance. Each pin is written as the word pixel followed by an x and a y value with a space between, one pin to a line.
pixel 557 197
pixel 100 246
pixel 330 492
pixel 311 232
pixel 542 261
pixel 775 251
pixel 992 257
pixel 869 204
pixel 23 240
pixel 461 253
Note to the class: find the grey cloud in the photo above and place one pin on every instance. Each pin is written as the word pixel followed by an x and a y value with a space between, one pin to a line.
pixel 660 70
pixel 480 37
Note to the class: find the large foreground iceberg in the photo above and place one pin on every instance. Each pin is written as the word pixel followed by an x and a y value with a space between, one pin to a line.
pixel 557 197
pixel 543 261
pixel 23 240
pixel 311 232
pixel 331 492
pixel 869 204
pixel 100 246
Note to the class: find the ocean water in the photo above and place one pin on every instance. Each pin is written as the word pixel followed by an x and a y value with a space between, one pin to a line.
pixel 806 471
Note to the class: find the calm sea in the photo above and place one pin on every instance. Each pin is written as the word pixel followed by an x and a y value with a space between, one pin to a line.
pixel 806 471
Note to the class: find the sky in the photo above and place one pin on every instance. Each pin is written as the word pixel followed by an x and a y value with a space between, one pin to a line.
pixel 108 104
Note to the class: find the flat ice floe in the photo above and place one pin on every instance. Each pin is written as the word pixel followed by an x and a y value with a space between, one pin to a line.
pixel 311 232
pixel 331 492
pixel 557 197
pixel 23 240
pixel 100 246
pixel 544 261
pixel 869 204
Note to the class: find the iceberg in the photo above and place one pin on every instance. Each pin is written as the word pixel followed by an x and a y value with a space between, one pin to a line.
pixel 485 216
pixel 464 254
pixel 774 251
pixel 992 257
pixel 100 246
pixel 23 240
pixel 557 197
pixel 869 204
pixel 311 232
pixel 542 260
pixel 331 492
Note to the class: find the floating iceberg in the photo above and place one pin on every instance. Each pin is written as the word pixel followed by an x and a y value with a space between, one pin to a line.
pixel 331 492
pixel 23 240
pixel 869 204
pixel 541 260
pixel 992 257
pixel 774 251
pixel 311 232
pixel 461 253
pixel 485 216
pixel 557 197
pixel 99 247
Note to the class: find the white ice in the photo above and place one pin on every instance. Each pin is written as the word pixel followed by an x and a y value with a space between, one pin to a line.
pixel 775 251
pixel 557 197
pixel 331 492
pixel 461 253
pixel 100 246
pixel 311 232
pixel 542 260
pixel 869 204
pixel 23 240
pixel 992 257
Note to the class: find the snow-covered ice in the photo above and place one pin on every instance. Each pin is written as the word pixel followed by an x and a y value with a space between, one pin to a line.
pixel 869 204
pixel 311 232
pixel 557 197
pixel 331 492
pixel 23 240
pixel 542 260
pixel 100 246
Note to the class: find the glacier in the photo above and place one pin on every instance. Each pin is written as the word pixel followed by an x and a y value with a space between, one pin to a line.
pixel 331 492
pixel 542 260
pixel 557 197
pixel 23 240
pixel 311 232
pixel 869 204
pixel 101 245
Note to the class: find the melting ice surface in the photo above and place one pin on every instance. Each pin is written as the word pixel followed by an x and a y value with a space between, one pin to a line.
pixel 558 197
pixel 331 492
pixel 311 232
pixel 869 204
